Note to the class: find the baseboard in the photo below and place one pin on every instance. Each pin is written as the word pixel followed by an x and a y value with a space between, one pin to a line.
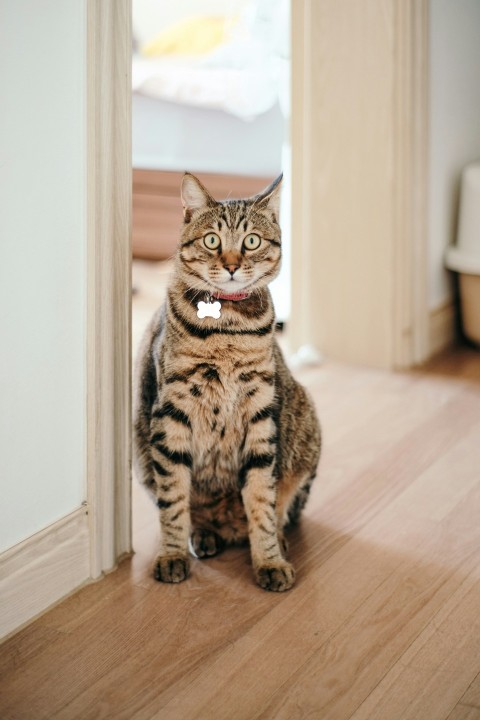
pixel 441 327
pixel 42 570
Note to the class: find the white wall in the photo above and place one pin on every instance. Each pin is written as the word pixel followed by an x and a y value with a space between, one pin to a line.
pixel 454 124
pixel 42 264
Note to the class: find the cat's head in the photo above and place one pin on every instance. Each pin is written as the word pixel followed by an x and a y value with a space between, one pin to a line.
pixel 229 246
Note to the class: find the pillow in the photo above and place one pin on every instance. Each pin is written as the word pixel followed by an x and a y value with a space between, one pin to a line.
pixel 192 36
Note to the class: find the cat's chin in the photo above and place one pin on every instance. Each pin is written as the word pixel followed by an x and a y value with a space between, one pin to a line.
pixel 228 288
pixel 233 287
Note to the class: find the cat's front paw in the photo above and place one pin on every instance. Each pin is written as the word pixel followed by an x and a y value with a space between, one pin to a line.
pixel 277 578
pixel 171 568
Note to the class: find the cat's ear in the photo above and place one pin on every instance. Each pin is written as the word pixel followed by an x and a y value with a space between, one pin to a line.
pixel 270 197
pixel 194 196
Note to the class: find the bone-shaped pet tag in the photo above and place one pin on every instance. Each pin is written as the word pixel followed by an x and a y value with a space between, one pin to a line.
pixel 208 309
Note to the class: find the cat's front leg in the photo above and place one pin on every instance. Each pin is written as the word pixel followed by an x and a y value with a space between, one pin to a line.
pixel 170 443
pixel 272 571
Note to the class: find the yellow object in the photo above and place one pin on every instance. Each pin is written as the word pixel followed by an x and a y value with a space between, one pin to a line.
pixel 192 36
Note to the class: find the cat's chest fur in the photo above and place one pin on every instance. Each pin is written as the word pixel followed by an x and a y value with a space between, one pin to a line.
pixel 217 430
pixel 220 398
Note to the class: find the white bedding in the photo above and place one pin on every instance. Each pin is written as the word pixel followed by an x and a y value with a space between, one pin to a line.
pixel 245 75
pixel 242 92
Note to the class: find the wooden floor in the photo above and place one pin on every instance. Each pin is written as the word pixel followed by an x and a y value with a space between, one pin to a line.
pixel 383 623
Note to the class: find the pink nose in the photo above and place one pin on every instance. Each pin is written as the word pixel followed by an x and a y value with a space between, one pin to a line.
pixel 231 268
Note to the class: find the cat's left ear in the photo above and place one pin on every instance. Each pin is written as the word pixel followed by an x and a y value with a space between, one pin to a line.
pixel 270 197
pixel 195 196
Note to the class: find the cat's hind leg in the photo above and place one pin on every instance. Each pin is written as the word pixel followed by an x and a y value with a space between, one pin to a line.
pixel 218 520
pixel 292 495
pixel 291 500
pixel 206 543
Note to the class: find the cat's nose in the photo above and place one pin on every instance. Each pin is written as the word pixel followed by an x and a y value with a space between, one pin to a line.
pixel 231 268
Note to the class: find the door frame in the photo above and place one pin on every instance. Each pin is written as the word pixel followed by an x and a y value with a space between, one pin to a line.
pixel 109 192
pixel 384 320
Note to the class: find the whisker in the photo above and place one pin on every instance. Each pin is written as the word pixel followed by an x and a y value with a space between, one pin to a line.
pixel 197 293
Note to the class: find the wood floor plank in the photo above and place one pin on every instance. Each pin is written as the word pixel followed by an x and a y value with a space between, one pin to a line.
pixel 393 469
pixel 469 712
pixel 382 624
pixel 26 644
pixel 431 675
pixel 445 639
pixel 472 694
pixel 464 712
pixel 357 448
pixel 339 572
pixel 192 630
pixel 64 668
pixel 461 366
pixel 315 676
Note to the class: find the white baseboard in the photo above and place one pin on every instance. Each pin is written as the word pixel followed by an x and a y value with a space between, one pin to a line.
pixel 441 327
pixel 42 570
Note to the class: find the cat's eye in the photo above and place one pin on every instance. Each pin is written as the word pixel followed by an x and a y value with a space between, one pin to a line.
pixel 211 241
pixel 252 242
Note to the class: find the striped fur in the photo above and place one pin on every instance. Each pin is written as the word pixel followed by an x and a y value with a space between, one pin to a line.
pixel 225 439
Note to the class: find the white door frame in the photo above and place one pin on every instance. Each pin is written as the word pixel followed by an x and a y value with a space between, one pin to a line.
pixel 109 169
pixel 359 177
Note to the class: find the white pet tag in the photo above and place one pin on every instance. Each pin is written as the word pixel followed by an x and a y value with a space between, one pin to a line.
pixel 208 309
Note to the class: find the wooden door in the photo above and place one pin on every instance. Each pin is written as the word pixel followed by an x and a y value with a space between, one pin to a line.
pixel 359 162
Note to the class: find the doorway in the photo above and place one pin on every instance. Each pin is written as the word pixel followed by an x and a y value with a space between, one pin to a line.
pixel 211 83
pixel 210 95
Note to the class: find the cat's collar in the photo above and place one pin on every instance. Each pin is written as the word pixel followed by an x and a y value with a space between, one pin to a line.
pixel 193 296
pixel 232 296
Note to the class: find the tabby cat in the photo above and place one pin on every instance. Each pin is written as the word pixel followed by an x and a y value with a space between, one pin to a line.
pixel 225 439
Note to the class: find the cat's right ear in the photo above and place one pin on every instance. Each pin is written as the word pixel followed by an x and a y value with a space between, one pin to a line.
pixel 194 196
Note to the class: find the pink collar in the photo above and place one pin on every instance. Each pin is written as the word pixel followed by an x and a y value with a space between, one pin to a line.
pixel 235 296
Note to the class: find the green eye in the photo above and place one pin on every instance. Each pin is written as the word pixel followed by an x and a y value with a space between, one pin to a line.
pixel 252 242
pixel 211 241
